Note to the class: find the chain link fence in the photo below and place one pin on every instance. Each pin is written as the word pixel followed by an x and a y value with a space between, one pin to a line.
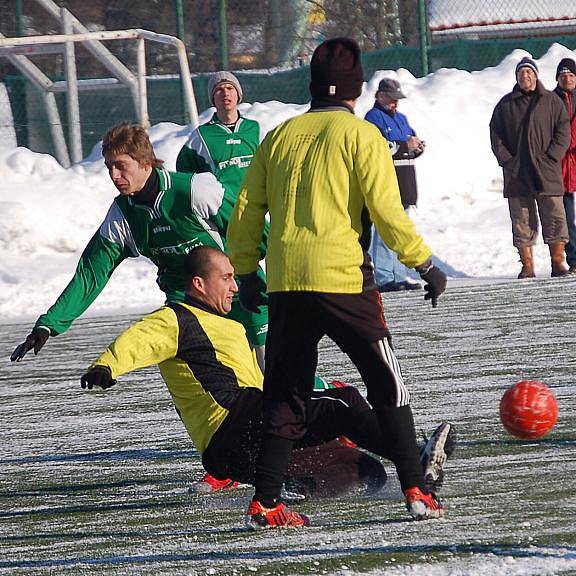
pixel 474 34
pixel 268 43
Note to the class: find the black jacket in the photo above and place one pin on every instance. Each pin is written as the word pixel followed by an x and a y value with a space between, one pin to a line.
pixel 530 133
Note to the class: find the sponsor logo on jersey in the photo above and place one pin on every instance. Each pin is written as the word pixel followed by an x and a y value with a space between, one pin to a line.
pixel 262 330
pixel 231 141
pixel 239 161
pixel 162 228
pixel 182 248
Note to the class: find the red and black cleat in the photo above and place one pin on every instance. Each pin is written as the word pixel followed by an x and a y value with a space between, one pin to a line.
pixel 423 506
pixel 278 517
pixel 209 484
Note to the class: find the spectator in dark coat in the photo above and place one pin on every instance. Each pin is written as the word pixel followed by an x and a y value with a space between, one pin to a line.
pixel 566 89
pixel 405 146
pixel 530 133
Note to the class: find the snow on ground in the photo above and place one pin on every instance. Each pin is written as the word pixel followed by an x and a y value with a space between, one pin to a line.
pixel 96 482
pixel 48 213
pixel 552 562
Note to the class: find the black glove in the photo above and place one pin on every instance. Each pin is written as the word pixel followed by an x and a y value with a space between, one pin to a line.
pixel 36 339
pixel 252 292
pixel 97 376
pixel 435 281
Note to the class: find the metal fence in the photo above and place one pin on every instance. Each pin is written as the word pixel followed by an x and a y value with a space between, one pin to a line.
pixel 269 43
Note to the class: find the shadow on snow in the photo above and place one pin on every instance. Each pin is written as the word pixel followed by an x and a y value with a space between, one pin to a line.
pixel 567 553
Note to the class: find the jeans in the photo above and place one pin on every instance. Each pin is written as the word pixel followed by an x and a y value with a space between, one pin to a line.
pixel 570 247
pixel 387 267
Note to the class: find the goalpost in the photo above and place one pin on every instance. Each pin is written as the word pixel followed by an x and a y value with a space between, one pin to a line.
pixel 17 49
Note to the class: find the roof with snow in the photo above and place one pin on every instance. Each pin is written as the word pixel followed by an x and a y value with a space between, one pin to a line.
pixel 497 18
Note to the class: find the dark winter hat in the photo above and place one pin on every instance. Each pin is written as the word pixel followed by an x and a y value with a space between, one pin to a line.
pixel 527 63
pixel 223 77
pixel 391 88
pixel 566 65
pixel 336 70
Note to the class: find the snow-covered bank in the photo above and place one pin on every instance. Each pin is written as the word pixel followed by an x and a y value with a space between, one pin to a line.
pixel 47 213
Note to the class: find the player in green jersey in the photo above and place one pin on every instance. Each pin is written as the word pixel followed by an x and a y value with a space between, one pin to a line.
pixel 226 143
pixel 158 214
pixel 224 146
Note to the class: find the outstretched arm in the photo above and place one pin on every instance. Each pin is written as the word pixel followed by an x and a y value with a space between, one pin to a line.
pixel 94 269
pixel 111 244
pixel 152 340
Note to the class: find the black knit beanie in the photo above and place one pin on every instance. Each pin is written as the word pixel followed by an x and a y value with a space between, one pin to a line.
pixel 336 70
pixel 527 63
pixel 566 65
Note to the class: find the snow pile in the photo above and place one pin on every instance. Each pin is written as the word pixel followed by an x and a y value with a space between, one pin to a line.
pixel 48 213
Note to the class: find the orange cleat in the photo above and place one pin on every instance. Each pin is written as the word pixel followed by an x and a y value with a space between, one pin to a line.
pixel 209 484
pixel 423 506
pixel 278 517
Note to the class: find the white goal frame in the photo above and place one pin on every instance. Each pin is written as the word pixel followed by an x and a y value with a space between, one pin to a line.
pixel 17 49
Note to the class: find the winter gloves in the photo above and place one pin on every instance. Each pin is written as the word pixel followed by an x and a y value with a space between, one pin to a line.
pixel 36 339
pixel 97 376
pixel 435 281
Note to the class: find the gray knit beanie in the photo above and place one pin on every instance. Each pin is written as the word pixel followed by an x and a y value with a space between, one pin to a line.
pixel 219 78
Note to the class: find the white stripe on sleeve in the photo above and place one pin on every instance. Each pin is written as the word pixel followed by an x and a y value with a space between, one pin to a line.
pixel 197 143
pixel 115 228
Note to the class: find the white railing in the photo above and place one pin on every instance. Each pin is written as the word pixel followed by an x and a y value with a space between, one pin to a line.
pixel 17 49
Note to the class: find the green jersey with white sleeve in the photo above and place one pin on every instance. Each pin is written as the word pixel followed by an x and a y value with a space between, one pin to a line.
pixel 174 220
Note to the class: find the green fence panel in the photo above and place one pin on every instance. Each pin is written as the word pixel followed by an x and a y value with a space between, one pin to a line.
pixel 479 54
pixel 99 110
pixel 393 58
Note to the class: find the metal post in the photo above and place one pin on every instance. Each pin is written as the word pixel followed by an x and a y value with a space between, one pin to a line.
pixel 180 34
pixel 40 81
pixel 223 35
pixel 142 90
pixel 397 32
pixel 56 129
pixel 19 22
pixel 273 40
pixel 72 102
pixel 191 110
pixel 423 25
pixel 98 50
pixel 10 47
pixel 179 20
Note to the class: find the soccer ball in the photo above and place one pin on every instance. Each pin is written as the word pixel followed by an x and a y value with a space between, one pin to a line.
pixel 528 410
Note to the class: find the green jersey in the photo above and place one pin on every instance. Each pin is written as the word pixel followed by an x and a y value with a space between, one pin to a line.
pixel 165 231
pixel 224 151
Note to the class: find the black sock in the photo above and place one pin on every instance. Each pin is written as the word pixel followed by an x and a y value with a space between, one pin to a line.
pixel 271 469
pixel 399 438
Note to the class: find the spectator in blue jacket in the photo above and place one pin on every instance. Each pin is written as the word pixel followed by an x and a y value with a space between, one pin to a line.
pixel 405 146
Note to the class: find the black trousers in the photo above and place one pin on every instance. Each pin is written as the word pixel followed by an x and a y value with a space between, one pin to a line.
pixel 319 465
pixel 355 322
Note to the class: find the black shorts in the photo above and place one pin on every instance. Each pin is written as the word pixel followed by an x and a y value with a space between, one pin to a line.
pixel 318 461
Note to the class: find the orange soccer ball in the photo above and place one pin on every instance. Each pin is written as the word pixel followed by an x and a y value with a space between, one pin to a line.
pixel 528 410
